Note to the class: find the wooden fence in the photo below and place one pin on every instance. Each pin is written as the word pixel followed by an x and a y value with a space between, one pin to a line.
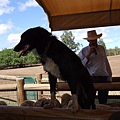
pixel 42 85
pixel 34 113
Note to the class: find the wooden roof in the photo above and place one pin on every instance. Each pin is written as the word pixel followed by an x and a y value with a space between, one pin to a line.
pixel 76 14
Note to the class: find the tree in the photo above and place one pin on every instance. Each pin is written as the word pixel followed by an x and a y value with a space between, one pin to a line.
pixel 68 39
pixel 101 42
pixel 10 58
pixel 116 50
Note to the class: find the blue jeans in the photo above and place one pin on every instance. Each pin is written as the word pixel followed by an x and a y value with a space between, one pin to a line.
pixel 102 94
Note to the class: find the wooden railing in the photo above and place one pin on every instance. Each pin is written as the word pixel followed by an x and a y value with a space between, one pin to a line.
pixel 37 113
pixel 21 88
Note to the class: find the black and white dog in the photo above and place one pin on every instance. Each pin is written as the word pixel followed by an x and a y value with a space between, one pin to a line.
pixel 60 62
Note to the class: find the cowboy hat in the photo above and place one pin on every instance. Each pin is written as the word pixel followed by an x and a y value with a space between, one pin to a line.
pixel 92 35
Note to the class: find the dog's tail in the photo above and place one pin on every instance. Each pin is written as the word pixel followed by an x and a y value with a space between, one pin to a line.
pixel 83 100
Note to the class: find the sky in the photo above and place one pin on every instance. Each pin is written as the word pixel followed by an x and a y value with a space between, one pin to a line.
pixel 16 16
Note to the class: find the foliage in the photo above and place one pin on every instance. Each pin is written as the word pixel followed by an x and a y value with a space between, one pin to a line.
pixel 112 52
pixel 68 39
pixel 101 42
pixel 109 52
pixel 10 58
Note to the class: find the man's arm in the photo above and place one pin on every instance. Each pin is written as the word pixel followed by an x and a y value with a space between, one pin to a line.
pixel 85 58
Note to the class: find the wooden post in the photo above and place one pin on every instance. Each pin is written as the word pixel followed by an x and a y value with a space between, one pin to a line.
pixel 21 96
pixel 38 79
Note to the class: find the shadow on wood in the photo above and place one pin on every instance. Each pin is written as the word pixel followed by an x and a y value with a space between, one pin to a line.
pixel 37 113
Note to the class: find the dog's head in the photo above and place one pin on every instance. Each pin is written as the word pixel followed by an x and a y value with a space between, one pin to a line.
pixel 30 39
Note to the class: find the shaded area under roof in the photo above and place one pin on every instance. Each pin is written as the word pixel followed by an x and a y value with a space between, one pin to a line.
pixel 76 14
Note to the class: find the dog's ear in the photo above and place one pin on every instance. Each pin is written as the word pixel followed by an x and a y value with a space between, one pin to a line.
pixel 37 32
pixel 43 31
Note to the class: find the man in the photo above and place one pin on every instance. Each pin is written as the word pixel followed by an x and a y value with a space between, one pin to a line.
pixel 94 58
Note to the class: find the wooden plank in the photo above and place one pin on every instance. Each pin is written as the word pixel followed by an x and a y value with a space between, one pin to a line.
pixel 34 87
pixel 7 77
pixel 116 79
pixel 114 86
pixel 37 113
pixel 8 87
pixel 45 79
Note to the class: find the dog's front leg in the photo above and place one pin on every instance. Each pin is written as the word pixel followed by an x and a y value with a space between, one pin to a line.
pixel 75 106
pixel 52 81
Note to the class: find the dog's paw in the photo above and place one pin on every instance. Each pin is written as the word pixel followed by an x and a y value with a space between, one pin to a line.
pixel 75 109
pixel 73 104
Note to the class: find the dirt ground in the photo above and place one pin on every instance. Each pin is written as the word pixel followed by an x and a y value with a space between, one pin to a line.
pixel 27 71
pixel 31 71
pixel 115 65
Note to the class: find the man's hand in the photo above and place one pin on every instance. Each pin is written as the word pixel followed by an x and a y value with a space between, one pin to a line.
pixel 92 50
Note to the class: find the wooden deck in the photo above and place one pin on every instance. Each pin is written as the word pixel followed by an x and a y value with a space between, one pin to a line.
pixel 37 113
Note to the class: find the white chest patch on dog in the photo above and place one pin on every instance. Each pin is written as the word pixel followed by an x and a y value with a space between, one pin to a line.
pixel 51 67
